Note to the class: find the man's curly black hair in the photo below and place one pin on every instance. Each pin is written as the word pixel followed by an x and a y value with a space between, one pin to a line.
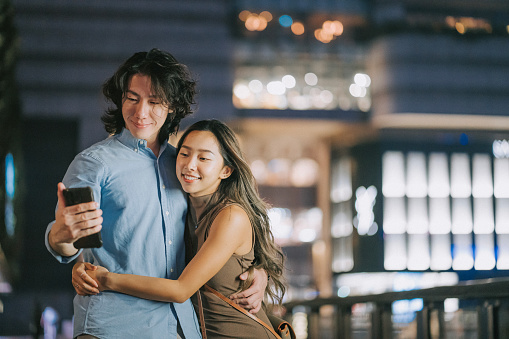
pixel 171 83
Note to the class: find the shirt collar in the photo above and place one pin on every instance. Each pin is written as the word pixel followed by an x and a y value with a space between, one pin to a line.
pixel 126 138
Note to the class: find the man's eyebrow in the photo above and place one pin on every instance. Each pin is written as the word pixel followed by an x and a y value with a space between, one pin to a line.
pixel 129 91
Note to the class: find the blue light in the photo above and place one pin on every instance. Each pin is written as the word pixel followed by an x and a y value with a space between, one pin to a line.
pixel 464 139
pixel 9 176
pixel 10 218
pixel 285 20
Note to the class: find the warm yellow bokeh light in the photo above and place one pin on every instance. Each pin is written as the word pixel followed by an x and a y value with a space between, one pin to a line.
pixel 244 15
pixel 333 27
pixel 263 24
pixel 297 28
pixel 267 15
pixel 337 28
pixel 255 22
pixel 451 21
pixel 323 36
pixel 460 28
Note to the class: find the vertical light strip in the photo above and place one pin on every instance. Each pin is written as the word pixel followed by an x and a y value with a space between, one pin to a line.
pixel 394 216
pixel 440 216
pixel 484 252
pixel 341 180
pixel 343 254
pixel 395 253
pixel 441 258
pixel 461 183
pixel 418 252
pixel 484 222
pixel 502 215
pixel 501 170
pixel 503 252
pixel 461 216
pixel 416 176
pixel 341 220
pixel 438 169
pixel 482 180
pixel 393 174
pixel 417 216
pixel 463 258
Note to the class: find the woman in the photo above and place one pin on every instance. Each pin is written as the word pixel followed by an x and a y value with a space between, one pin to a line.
pixel 230 224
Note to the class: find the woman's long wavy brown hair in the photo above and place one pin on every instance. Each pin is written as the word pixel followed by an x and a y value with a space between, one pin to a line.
pixel 240 187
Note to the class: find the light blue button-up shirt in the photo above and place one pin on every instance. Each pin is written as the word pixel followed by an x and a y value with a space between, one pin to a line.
pixel 144 212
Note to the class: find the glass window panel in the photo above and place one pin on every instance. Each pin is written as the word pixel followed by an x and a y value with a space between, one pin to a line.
pixel 395 254
pixel 438 169
pixel 502 215
pixel 463 258
pixel 441 259
pixel 394 216
pixel 484 252
pixel 417 216
pixel 341 220
pixel 461 216
pixel 393 174
pixel 418 252
pixel 482 181
pixel 484 222
pixel 503 251
pixel 461 183
pixel 440 216
pixel 416 179
pixel 501 170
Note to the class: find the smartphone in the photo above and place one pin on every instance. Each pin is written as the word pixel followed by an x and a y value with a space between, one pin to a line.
pixel 78 195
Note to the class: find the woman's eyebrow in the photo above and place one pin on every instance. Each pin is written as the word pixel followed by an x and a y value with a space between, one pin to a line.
pixel 199 150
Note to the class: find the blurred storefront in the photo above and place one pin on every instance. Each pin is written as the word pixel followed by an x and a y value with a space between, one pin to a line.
pixel 399 110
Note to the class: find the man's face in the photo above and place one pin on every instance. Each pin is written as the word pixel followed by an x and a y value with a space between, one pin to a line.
pixel 144 113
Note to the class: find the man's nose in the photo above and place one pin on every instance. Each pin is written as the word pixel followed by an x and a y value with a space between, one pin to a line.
pixel 142 110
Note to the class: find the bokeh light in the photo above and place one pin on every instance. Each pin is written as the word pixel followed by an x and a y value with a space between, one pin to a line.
pixel 297 28
pixel 311 79
pixel 285 20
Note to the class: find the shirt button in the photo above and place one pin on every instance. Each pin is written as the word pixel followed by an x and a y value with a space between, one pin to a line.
pixel 164 186
pixel 169 242
pixel 136 150
pixel 171 270
pixel 167 213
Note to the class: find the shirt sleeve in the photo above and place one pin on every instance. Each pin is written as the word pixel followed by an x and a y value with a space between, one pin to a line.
pixel 60 258
pixel 84 170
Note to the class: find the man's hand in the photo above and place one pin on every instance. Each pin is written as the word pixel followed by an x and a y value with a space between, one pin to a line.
pixel 251 299
pixel 83 283
pixel 73 223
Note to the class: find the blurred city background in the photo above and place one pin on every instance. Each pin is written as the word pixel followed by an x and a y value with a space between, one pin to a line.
pixel 378 130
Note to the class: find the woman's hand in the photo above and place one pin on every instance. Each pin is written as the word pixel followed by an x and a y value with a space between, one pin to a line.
pixel 99 275
pixel 82 282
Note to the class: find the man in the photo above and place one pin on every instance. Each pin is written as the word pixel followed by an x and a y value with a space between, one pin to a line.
pixel 143 208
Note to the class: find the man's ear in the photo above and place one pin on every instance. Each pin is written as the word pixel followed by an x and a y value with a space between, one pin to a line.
pixel 226 172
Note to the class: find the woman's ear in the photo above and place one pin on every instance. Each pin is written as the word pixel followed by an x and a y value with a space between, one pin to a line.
pixel 226 172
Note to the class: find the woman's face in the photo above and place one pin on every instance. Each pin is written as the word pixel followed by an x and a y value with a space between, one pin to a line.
pixel 200 165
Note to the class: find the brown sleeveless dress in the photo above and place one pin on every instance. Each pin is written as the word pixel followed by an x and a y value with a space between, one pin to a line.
pixel 221 319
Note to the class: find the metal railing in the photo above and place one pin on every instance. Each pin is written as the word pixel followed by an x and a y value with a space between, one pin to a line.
pixel 487 299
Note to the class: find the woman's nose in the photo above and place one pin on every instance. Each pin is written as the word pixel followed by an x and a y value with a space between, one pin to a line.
pixel 191 164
